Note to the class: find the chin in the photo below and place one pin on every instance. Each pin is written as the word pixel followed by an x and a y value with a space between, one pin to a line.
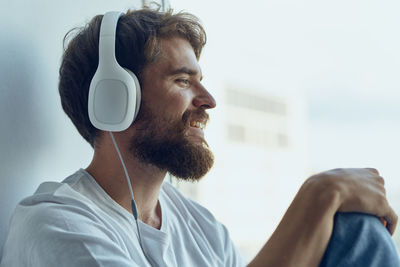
pixel 194 164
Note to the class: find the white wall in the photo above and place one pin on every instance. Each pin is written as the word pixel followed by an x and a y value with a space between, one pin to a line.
pixel 37 140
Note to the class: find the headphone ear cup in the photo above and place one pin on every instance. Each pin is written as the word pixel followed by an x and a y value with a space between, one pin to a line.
pixel 114 92
pixel 136 90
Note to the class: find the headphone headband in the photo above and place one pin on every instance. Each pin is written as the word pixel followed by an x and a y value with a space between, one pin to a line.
pixel 107 39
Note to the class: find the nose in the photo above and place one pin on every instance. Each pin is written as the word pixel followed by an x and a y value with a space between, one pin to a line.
pixel 204 99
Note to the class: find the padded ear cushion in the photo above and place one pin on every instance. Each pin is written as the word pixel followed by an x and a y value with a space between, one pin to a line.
pixel 114 98
pixel 138 92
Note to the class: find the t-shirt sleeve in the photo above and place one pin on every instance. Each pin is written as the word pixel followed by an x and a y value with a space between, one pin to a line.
pixel 60 235
pixel 360 240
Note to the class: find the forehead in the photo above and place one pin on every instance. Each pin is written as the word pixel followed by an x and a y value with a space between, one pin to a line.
pixel 177 52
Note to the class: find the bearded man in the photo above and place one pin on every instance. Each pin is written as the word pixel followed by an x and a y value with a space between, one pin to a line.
pixel 86 220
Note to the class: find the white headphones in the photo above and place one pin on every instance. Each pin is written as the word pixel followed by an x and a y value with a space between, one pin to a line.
pixel 114 93
pixel 114 96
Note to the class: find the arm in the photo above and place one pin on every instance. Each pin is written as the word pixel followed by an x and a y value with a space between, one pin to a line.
pixel 303 234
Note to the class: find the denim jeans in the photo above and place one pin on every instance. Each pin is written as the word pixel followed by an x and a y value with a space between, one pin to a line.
pixel 360 240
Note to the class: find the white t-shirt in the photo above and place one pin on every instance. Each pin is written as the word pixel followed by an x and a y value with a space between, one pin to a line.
pixel 75 223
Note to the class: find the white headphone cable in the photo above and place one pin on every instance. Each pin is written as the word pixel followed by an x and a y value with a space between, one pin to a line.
pixel 134 209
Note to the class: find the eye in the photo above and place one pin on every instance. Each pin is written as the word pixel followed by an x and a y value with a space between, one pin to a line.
pixel 183 82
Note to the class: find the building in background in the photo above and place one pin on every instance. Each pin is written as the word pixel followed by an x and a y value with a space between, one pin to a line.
pixel 259 143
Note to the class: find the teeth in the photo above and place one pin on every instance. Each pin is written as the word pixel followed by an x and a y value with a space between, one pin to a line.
pixel 197 124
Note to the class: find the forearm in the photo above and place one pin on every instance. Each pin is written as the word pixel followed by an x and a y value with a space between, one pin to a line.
pixel 303 234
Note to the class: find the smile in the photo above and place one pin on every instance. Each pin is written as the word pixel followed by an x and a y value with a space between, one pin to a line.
pixel 197 124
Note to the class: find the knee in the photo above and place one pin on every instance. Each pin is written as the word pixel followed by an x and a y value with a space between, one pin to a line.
pixel 360 240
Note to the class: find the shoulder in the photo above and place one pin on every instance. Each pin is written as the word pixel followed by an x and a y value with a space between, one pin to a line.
pixel 54 202
pixel 58 225
pixel 54 208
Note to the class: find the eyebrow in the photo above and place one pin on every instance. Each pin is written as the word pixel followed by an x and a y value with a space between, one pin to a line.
pixel 185 70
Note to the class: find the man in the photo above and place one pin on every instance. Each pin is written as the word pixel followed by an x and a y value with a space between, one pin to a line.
pixel 87 219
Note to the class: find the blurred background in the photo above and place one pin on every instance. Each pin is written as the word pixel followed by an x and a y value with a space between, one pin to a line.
pixel 301 87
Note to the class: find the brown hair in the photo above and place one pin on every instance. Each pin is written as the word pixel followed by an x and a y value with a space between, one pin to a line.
pixel 137 44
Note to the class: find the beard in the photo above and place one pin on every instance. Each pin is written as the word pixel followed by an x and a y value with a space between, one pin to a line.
pixel 161 142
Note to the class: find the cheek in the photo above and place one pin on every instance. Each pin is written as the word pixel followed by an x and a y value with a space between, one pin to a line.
pixel 168 101
pixel 179 102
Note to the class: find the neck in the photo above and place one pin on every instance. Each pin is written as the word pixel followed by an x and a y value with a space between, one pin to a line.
pixel 146 179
